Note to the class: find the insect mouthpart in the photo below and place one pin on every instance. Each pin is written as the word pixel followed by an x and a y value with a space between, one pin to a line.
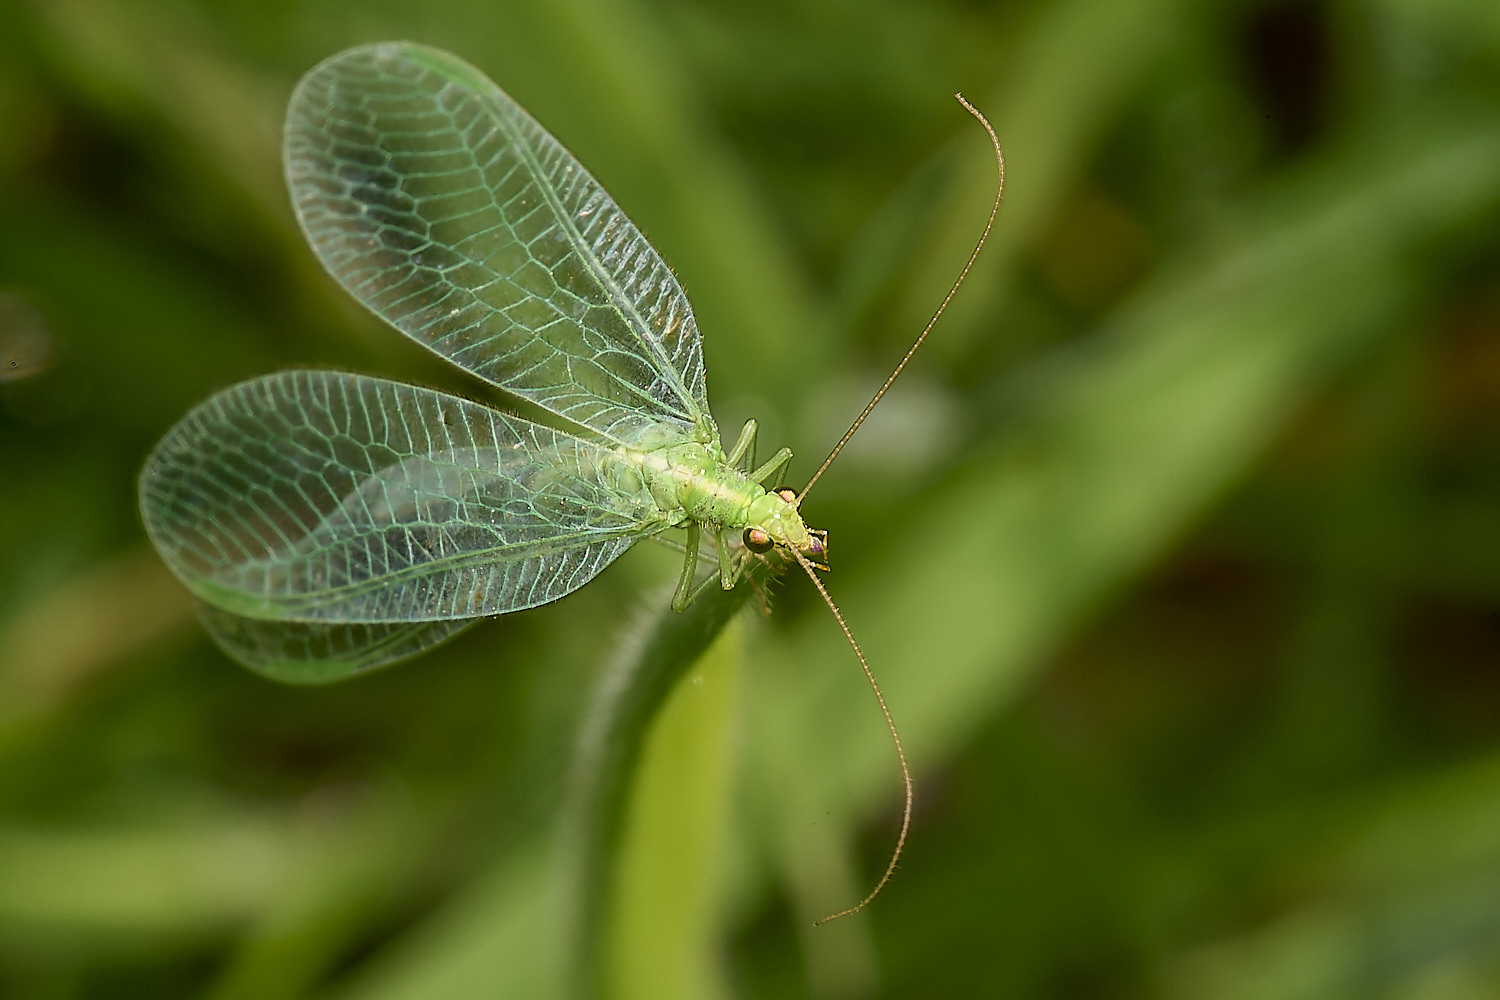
pixel 816 549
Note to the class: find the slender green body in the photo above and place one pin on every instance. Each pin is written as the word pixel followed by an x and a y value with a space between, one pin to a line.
pixel 696 483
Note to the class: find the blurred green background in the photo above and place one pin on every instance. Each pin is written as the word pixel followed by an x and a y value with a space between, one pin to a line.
pixel 1178 551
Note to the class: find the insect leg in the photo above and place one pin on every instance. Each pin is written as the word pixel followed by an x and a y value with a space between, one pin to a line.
pixel 775 467
pixel 679 548
pixel 744 446
pixel 737 571
pixel 704 587
pixel 729 566
pixel 684 594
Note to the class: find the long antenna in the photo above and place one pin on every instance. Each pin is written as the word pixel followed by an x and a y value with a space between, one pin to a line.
pixel 890 724
pixel 990 224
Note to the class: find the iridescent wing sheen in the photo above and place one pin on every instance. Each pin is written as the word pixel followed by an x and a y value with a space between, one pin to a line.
pixel 333 498
pixel 445 208
pixel 320 652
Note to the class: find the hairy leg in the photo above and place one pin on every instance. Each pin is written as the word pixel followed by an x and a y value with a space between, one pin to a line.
pixel 775 467
pixel 729 567
pixel 744 446
pixel 684 593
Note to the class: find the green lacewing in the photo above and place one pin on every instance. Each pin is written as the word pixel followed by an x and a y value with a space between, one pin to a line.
pixel 330 523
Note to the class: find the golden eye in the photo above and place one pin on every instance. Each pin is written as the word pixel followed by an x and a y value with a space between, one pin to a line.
pixel 790 496
pixel 758 540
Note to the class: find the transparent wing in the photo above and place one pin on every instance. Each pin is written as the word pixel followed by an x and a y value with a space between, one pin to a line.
pixel 448 211
pixel 321 652
pixel 328 497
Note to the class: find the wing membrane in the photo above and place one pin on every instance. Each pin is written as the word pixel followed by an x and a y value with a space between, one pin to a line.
pixel 445 208
pixel 327 497
pixel 321 652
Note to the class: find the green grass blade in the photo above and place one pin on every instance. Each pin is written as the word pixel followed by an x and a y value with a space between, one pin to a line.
pixel 616 727
pixel 664 908
pixel 448 211
pixel 319 496
pixel 544 923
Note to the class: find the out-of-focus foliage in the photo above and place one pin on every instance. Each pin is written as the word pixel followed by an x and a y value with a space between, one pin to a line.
pixel 1178 553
